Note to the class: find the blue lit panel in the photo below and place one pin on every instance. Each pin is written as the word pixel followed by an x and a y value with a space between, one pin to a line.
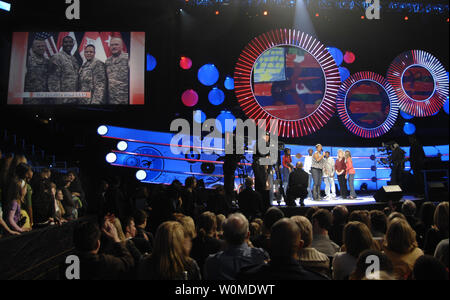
pixel 5 6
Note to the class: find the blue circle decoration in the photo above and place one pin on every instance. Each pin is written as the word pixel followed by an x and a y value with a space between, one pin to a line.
pixel 229 83
pixel 216 96
pixel 405 115
pixel 151 62
pixel 199 116
pixel 367 104
pixel 446 106
pixel 345 73
pixel 409 128
pixel 336 54
pixel 208 74
pixel 220 120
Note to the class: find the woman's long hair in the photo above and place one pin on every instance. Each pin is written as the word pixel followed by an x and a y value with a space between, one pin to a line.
pixel 357 238
pixel 169 254
pixel 400 237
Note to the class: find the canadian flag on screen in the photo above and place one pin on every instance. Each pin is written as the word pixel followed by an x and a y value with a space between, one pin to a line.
pixel 101 41
pixel 61 36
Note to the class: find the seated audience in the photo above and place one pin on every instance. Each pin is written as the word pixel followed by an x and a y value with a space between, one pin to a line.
pixel 220 220
pixel 441 252
pixel 189 228
pixel 95 265
pixel 360 216
pixel 321 221
pixel 309 257
pixel 286 243
pixel 357 238
pixel 44 206
pixel 378 220
pixel 206 242
pixel 340 214
pixel 130 231
pixel 400 246
pixel 272 215
pixel 364 262
pixel 170 258
pixel 426 214
pixel 440 229
pixel 409 210
pixel 140 220
pixel 14 218
pixel 226 264
pixel 429 268
pixel 394 215
pixel 4 226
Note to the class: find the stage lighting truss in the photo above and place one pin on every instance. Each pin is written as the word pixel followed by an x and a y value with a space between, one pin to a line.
pixel 287 37
pixel 351 125
pixel 419 58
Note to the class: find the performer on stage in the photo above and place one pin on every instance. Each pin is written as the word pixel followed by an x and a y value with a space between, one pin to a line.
pixel 287 167
pixel 350 173
pixel 328 177
pixel 340 168
pixel 317 165
pixel 307 168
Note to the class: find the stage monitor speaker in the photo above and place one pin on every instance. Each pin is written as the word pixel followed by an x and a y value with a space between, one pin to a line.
pixel 388 193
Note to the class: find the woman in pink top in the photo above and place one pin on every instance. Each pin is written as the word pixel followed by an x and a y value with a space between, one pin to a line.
pixel 350 174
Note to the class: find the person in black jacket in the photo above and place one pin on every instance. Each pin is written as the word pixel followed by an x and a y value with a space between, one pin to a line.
pixel 44 206
pixel 298 185
pixel 284 264
pixel 417 162
pixel 250 201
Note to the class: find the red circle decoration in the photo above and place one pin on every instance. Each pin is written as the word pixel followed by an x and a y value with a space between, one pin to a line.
pixel 185 63
pixel 417 59
pixel 354 126
pixel 247 99
pixel 349 57
pixel 189 98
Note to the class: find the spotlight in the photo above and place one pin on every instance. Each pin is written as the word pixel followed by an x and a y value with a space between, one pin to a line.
pixel 317 14
pixel 406 18
pixel 265 13
pixel 217 12
pixel 102 130
pixel 122 145
pixel 141 175
pixel 362 17
pixel 111 157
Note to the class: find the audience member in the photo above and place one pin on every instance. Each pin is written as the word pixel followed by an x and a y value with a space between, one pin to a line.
pixel 44 206
pixel 357 238
pixel 400 246
pixel 340 214
pixel 394 215
pixel 140 220
pixel 250 201
pixel 95 265
pixel 429 268
pixel 409 210
pixel 272 215
pixel 427 215
pixel 220 218
pixel 130 231
pixel 440 229
pixel 170 258
pixel 441 252
pixel 366 260
pixel 297 186
pixel 188 196
pixel 378 220
pixel 226 264
pixel 309 257
pixel 321 221
pixel 360 216
pixel 206 242
pixel 286 243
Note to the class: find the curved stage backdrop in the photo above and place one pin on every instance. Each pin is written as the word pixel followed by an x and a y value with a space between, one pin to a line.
pixel 149 153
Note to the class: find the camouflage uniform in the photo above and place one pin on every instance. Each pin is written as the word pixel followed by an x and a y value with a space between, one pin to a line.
pixel 36 77
pixel 63 76
pixel 92 78
pixel 117 71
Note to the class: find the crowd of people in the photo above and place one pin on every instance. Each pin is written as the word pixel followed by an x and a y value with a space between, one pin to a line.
pixel 175 235
pixel 29 200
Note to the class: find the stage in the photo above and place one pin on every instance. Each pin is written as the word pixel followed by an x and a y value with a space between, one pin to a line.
pixel 361 200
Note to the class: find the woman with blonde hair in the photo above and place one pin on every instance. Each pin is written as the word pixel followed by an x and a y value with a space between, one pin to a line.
pixel 170 259
pixel 340 168
pixel 401 248
pixel 350 173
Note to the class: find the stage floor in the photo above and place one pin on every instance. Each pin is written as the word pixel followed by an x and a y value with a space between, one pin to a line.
pixel 361 200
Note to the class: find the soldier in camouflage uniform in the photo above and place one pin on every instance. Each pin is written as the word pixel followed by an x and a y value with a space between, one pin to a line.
pixel 117 70
pixel 92 77
pixel 63 72
pixel 37 69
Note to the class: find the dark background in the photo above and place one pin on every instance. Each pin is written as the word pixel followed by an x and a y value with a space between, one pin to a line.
pixel 206 38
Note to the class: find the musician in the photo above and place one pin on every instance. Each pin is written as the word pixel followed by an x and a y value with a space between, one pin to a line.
pixel 298 185
pixel 398 164
pixel 287 167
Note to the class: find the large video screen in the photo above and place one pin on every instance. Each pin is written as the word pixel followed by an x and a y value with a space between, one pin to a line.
pixel 77 68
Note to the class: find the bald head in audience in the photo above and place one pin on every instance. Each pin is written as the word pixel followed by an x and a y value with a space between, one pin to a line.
pixel 235 229
pixel 285 239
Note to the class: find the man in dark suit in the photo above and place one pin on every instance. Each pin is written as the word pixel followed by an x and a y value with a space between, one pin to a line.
pixel 284 263
pixel 298 185
pixel 250 201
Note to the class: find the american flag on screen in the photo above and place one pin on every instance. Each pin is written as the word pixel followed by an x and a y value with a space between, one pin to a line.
pixel 50 45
